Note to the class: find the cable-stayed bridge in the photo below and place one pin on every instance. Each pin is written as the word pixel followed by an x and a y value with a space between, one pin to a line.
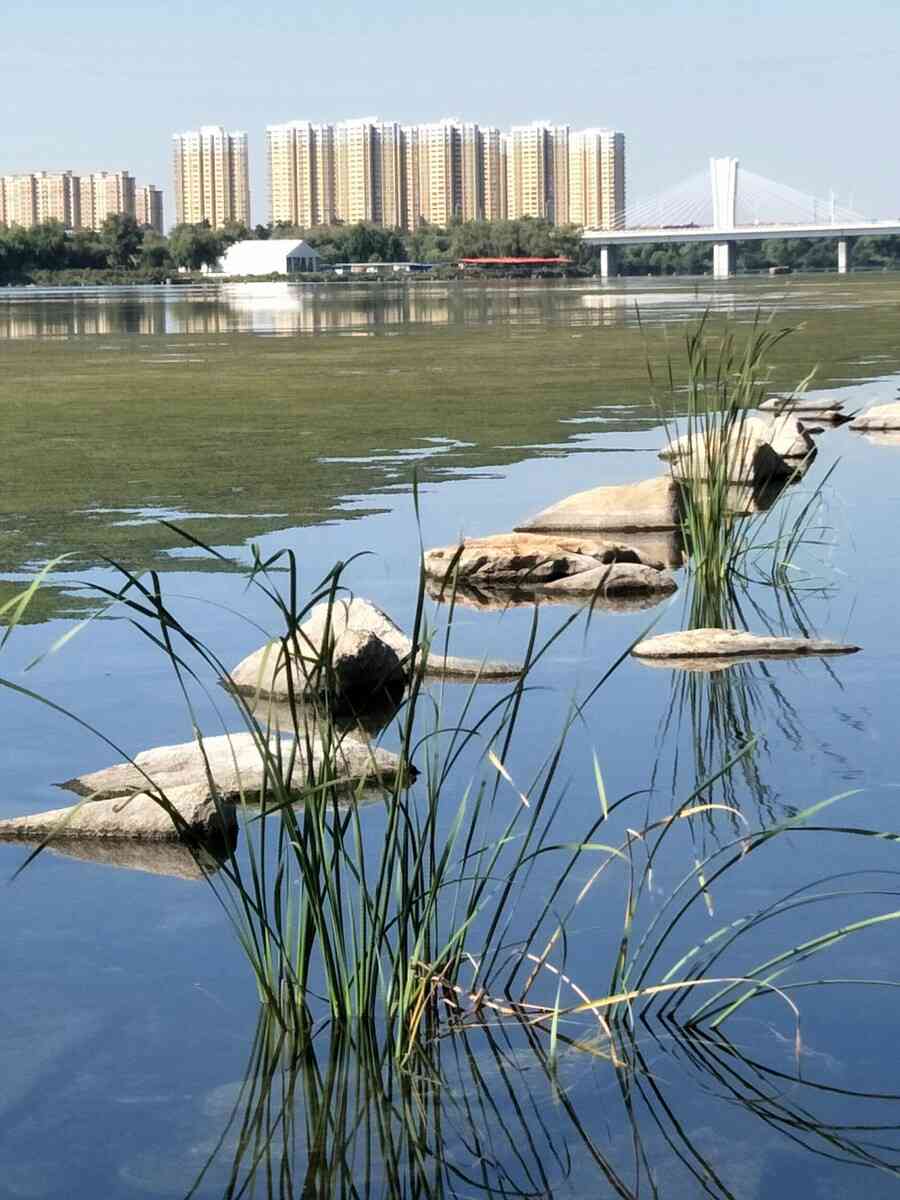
pixel 726 205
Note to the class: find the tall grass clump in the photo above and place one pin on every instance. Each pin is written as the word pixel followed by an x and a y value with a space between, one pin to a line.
pixel 736 526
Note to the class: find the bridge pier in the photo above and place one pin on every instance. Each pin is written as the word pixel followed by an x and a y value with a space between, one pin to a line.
pixel 609 261
pixel 843 249
pixel 723 260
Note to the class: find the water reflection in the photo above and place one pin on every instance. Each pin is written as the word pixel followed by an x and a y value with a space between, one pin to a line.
pixel 288 308
pixel 491 1112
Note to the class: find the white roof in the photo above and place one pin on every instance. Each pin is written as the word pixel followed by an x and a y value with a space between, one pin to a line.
pixel 256 257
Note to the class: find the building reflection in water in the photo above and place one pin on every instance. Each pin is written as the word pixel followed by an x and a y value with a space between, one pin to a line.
pixel 288 308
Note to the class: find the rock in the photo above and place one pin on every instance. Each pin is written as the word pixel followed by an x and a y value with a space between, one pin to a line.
pixel 541 565
pixel 745 446
pixel 236 766
pixel 524 558
pixel 138 815
pixel 881 417
pixel 653 504
pixel 801 405
pixel 264 672
pixel 791 438
pixel 361 665
pixel 711 649
pixel 618 579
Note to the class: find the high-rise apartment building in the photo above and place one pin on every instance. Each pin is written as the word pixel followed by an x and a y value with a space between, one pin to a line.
pixel 471 149
pixel 104 194
pixel 373 170
pixel 390 175
pixel 354 154
pixel 212 180
pixel 148 207
pixel 597 179
pixel 613 180
pixel 537 172
pixel 369 162
pixel 494 149
pixel 57 198
pixel 433 161
pixel 75 201
pixel 301 170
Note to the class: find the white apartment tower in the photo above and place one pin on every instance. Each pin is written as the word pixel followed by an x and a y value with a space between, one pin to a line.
pixel 104 194
pixel 212 181
pixel 537 172
pixel 301 167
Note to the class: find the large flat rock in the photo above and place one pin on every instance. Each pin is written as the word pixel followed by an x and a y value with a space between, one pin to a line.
pixel 881 417
pixel 651 505
pixel 138 815
pixel 347 622
pixel 546 565
pixel 714 648
pixel 801 405
pixel 237 768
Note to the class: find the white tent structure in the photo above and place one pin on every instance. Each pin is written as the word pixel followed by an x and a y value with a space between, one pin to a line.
pixel 277 256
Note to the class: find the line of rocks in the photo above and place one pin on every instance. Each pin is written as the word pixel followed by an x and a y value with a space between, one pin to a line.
pixel 612 545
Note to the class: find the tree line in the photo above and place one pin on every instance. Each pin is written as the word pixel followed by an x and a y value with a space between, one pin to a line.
pixel 122 250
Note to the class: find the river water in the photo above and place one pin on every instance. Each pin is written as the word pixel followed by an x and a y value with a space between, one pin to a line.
pixel 129 1015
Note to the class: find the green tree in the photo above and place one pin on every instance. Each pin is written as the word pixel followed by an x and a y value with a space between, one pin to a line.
pixel 155 252
pixel 121 236
pixel 195 246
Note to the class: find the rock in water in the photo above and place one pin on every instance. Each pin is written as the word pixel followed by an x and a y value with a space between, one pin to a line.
pixel 653 504
pixel 710 649
pixel 545 565
pixel 791 438
pixel 801 405
pixel 742 448
pixel 881 417
pixel 237 767
pixel 351 624
pixel 138 815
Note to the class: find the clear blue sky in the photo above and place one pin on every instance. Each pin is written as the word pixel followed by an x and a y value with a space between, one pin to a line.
pixel 800 91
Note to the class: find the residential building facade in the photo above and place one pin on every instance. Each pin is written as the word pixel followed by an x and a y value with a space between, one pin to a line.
pixel 75 201
pixel 148 207
pixel 301 173
pixel 437 172
pixel 211 176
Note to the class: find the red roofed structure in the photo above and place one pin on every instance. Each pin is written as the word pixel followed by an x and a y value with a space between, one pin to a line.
pixel 513 262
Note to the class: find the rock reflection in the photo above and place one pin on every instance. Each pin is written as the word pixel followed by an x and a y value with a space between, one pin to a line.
pixel 156 858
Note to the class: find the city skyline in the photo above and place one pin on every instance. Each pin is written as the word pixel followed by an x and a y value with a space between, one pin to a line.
pixel 405 175
pixel 78 200
pixel 798 107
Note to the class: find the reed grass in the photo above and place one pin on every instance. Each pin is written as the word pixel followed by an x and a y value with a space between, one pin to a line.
pixel 725 377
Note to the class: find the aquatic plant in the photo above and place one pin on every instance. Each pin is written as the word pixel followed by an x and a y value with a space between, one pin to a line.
pixel 736 527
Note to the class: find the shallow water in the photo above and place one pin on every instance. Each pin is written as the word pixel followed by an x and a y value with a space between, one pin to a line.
pixel 128 1015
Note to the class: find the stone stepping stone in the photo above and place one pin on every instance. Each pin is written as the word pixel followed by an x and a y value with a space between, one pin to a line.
pixel 237 767
pixel 713 649
pixel 370 655
pixel 651 505
pixel 880 418
pixel 135 816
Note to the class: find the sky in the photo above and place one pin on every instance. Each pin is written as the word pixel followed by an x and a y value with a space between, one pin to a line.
pixel 800 91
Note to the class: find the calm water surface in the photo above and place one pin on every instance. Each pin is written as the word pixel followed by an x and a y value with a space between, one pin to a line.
pixel 129 1018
